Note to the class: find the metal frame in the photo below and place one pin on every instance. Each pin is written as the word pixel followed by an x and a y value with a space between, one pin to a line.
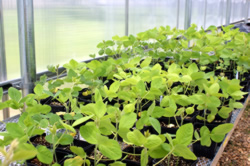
pixel 228 12
pixel 188 14
pixel 246 11
pixel 178 14
pixel 205 14
pixel 126 17
pixel 26 45
pixel 3 69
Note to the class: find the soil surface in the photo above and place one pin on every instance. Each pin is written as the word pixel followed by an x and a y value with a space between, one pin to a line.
pixel 237 151
pixel 175 161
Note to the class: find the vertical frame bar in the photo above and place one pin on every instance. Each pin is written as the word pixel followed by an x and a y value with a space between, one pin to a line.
pixel 246 11
pixel 26 44
pixel 3 70
pixel 205 14
pixel 126 17
pixel 188 11
pixel 222 11
pixel 228 12
pixel 178 14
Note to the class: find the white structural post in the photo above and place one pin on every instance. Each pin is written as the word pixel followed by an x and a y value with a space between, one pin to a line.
pixel 246 10
pixel 3 70
pixel 178 14
pixel 126 17
pixel 228 12
pixel 26 44
pixel 188 11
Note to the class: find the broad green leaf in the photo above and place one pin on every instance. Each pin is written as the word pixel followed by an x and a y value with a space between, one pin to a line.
pixel 196 99
pixel 38 109
pixel 153 141
pixel 192 68
pixel 136 137
pixel 141 88
pixel 25 151
pixel 15 130
pixel 224 112
pixel 129 108
pixel 184 134
pixel 205 136
pixel 14 94
pixel 81 120
pixel 114 86
pixel 237 105
pixel 68 127
pixel 156 124
pixel 65 139
pixel 185 152
pixel 44 154
pixel 158 112
pixel 146 62
pixel 159 152
pixel 218 133
pixel 109 148
pixel 79 151
pixel 214 88
pixel 74 161
pixel 44 123
pixel 89 132
pixel 144 157
pixel 190 110
pixel 38 89
pixel 117 163
pixel 127 120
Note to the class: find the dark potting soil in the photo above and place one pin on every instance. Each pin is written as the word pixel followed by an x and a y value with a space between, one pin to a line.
pixel 40 140
pixel 176 161
pixel 36 162
pixel 54 103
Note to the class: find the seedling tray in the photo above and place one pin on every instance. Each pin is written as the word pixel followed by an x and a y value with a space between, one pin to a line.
pixel 236 115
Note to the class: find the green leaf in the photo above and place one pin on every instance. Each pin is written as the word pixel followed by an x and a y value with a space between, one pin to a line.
pixel 205 136
pixel 81 120
pixel 185 152
pixel 192 68
pixel 190 110
pixel 44 154
pixel 153 141
pixel 68 127
pixel 114 86
pixel 144 157
pixel 136 137
pixel 196 99
pixel 25 151
pixel 156 124
pixel 159 152
pixel 44 123
pixel 79 151
pixel 214 88
pixel 218 133
pixel 1 93
pixel 146 62
pixel 127 120
pixel 224 112
pixel 74 161
pixel 89 132
pixel 14 130
pixel 117 163
pixel 184 134
pixel 56 164
pixel 141 88
pixel 158 112
pixel 38 89
pixel 109 148
pixel 66 139
pixel 14 94
pixel 237 105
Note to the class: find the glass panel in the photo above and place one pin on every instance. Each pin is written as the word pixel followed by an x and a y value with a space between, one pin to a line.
pixel 70 29
pixel 149 14
pixel 11 39
pixel 236 10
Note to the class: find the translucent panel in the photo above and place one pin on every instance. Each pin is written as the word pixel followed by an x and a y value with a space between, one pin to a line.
pixel 70 29
pixel 198 11
pixel 149 14
pixel 11 39
pixel 237 10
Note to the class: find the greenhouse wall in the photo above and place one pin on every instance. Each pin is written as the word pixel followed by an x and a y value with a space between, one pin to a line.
pixel 70 29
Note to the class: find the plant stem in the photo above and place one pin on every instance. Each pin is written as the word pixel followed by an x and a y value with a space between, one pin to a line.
pixel 95 160
pixel 164 158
